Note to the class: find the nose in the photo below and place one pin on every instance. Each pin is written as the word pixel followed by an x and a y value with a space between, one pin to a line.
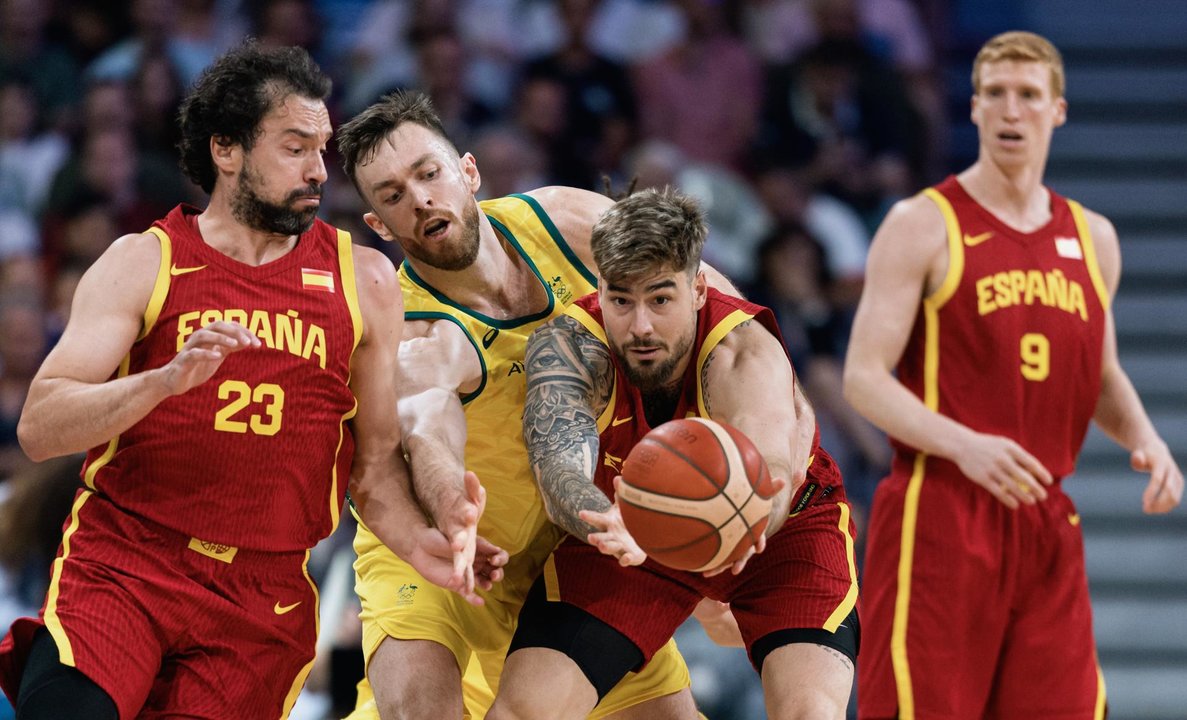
pixel 641 326
pixel 420 196
pixel 315 170
pixel 1012 106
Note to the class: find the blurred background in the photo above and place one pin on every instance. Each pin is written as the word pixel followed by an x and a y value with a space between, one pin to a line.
pixel 796 122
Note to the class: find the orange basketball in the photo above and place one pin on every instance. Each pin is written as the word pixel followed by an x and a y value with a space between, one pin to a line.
pixel 695 494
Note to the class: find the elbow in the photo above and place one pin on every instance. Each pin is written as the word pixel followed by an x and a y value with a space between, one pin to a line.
pixel 850 385
pixel 33 442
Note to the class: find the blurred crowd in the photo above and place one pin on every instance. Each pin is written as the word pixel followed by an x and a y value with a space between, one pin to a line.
pixel 796 122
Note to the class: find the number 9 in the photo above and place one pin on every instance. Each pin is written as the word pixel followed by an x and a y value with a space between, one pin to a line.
pixel 1036 357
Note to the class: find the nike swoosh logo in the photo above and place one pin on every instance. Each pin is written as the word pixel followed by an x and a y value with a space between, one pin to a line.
pixel 618 421
pixel 972 240
pixel 282 609
pixel 175 271
pixel 1073 518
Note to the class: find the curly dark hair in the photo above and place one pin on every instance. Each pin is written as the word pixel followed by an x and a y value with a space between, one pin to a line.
pixel 234 94
pixel 358 139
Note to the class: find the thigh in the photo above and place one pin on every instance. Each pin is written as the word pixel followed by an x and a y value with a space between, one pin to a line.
pixel 935 598
pixel 804 680
pixel 806 580
pixel 1048 665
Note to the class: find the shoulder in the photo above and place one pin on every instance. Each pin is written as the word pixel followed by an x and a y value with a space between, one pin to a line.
pixel 376 280
pixel 1107 246
pixel 136 256
pixel 750 339
pixel 913 237
pixel 917 218
pixel 572 210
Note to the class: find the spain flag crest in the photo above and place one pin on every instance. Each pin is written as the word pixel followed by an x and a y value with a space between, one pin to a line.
pixel 322 280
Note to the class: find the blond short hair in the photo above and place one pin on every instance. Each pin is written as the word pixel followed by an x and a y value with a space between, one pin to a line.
pixel 1023 47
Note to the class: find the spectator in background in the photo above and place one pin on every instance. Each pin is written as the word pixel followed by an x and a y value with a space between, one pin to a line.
pixel 600 112
pixel 282 23
pixel 26 54
pixel 791 200
pixel 154 25
pixel 510 162
pixel 28 158
pixel 540 116
pixel 442 61
pixel 703 95
pixel 842 117
pixel 156 89
pixel 22 348
pixel 35 502
pixel 736 218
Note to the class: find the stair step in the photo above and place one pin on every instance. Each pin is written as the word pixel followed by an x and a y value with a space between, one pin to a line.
pixel 1148 692
pixel 1136 557
pixel 1152 23
pixel 1120 141
pixel 1161 198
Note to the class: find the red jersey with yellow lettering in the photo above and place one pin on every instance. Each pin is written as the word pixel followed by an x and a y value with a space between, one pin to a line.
pixel 967 604
pixel 805 581
pixel 259 455
pixel 623 423
pixel 1011 342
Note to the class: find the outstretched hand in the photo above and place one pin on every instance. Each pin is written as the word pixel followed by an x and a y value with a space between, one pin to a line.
pixel 433 556
pixel 1164 492
pixel 611 536
pixel 460 524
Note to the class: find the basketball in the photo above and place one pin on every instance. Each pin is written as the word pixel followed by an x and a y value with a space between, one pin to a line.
pixel 695 494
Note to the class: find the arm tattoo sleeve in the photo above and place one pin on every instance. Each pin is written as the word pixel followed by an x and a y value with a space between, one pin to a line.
pixel 570 379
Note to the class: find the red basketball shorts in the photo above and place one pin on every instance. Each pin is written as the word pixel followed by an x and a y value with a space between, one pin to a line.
pixel 972 610
pixel 805 579
pixel 170 625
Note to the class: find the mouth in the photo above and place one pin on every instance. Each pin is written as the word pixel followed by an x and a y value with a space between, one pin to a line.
pixel 435 228
pixel 644 354
pixel 309 200
pixel 1009 137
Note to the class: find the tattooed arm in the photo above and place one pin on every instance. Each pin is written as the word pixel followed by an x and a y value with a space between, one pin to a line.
pixel 570 379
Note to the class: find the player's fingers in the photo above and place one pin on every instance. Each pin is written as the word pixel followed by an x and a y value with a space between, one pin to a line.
pixel 1032 466
pixel 996 488
pixel 599 520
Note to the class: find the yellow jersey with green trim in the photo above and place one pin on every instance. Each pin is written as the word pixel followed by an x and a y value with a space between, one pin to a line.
pixel 495 451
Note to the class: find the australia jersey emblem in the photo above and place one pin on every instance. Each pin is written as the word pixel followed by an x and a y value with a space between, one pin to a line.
pixel 560 290
pixel 406 593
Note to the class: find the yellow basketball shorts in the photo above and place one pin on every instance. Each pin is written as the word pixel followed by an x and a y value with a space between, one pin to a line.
pixel 398 603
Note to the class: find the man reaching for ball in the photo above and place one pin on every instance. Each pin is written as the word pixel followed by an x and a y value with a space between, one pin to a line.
pixel 654 344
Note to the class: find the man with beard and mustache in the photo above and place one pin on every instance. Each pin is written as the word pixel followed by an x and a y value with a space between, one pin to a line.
pixel 223 369
pixel 478 279
pixel 655 343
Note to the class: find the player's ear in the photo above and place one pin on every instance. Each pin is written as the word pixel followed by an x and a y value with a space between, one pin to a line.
pixel 377 225
pixel 700 289
pixel 470 171
pixel 1060 112
pixel 226 155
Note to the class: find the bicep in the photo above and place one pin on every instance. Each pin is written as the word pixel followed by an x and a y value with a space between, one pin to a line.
pixel 749 383
pixel 901 257
pixel 373 366
pixel 107 313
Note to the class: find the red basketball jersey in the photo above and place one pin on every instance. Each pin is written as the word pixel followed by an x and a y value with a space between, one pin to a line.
pixel 1011 343
pixel 259 455
pixel 623 422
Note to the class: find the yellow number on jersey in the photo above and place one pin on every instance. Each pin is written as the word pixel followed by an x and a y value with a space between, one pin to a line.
pixel 1036 357
pixel 241 394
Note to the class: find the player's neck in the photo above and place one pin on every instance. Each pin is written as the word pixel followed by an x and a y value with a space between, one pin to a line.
pixel 222 231
pixel 498 283
pixel 1015 194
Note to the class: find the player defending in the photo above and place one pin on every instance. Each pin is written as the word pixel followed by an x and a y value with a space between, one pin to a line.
pixel 478 278
pixel 206 366
pixel 653 344
pixel 990 294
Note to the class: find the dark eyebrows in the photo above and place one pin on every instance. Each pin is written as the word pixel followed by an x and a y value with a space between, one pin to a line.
pixel 653 287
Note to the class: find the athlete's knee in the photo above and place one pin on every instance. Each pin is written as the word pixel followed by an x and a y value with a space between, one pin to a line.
pixel 818 704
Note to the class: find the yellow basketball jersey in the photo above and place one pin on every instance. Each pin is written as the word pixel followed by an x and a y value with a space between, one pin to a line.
pixel 494 412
